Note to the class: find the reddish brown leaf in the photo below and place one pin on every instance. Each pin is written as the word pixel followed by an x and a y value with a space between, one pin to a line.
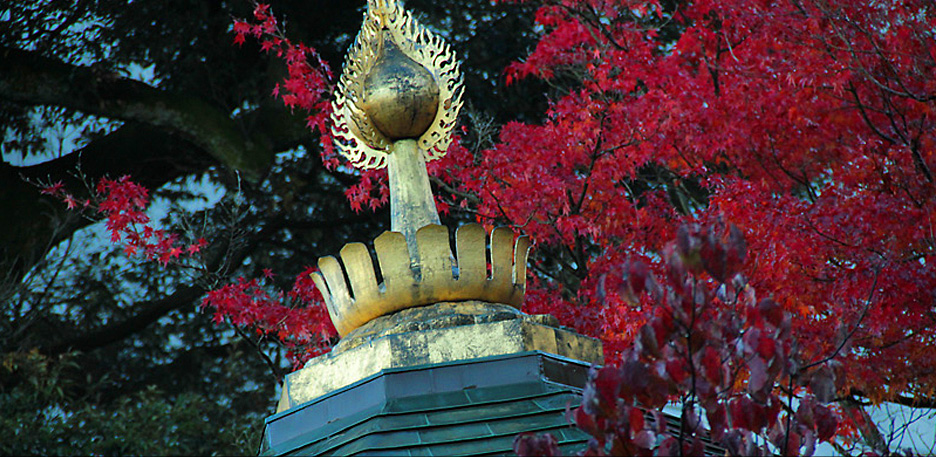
pixel 635 419
pixel 529 444
pixel 826 422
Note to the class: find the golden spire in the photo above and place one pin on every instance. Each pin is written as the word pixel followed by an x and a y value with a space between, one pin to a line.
pixel 395 105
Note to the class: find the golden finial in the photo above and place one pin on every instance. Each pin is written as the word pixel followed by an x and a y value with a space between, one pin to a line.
pixel 395 105
pixel 400 81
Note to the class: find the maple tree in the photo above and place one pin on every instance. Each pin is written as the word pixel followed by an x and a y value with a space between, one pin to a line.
pixel 807 124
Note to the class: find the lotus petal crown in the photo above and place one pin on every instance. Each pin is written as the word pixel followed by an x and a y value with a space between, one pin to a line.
pixel 354 296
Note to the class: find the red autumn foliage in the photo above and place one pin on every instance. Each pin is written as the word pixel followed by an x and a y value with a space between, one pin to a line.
pixel 122 202
pixel 716 352
pixel 296 318
pixel 808 124
pixel 308 84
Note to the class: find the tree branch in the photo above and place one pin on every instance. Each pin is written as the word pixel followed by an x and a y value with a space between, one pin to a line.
pixel 147 312
pixel 42 221
pixel 29 78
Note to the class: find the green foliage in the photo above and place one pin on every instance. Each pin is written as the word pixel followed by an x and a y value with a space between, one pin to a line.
pixel 44 416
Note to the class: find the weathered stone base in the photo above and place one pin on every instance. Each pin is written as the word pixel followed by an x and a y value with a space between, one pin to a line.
pixel 436 334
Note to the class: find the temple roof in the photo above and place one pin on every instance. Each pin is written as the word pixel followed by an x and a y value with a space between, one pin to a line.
pixel 472 407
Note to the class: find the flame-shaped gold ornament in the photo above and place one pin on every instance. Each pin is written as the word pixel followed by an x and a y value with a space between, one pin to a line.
pixel 396 104
pixel 400 81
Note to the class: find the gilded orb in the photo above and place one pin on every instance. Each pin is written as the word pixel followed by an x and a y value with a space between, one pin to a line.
pixel 401 97
pixel 400 82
